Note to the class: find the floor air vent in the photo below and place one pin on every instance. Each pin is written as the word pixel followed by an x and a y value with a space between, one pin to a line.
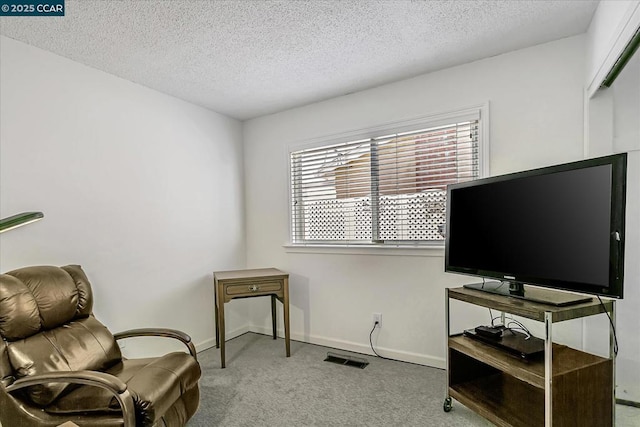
pixel 344 359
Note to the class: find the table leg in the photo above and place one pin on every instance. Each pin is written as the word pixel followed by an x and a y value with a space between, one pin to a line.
pixel 221 331
pixel 273 315
pixel 215 303
pixel 548 369
pixel 612 356
pixel 285 304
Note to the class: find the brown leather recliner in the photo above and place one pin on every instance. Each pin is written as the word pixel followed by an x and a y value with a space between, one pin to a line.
pixel 58 363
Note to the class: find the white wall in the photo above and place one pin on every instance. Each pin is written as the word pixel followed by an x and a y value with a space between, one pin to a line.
pixel 613 126
pixel 625 93
pixel 143 190
pixel 628 321
pixel 536 109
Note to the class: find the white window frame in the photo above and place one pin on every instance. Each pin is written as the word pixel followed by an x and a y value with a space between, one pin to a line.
pixel 423 122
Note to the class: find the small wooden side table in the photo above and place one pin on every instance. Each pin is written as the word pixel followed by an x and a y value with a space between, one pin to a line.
pixel 260 282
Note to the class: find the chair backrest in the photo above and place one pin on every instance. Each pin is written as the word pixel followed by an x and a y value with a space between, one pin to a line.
pixel 47 325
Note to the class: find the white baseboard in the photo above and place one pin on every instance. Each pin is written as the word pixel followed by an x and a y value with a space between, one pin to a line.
pixel 211 342
pixel 403 356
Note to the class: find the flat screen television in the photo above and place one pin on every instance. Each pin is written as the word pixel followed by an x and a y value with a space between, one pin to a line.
pixel 560 227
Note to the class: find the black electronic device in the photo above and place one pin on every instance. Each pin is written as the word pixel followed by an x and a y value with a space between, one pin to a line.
pixel 513 342
pixel 493 332
pixel 559 227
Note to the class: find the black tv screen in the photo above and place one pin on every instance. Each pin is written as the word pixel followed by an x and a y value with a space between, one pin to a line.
pixel 560 227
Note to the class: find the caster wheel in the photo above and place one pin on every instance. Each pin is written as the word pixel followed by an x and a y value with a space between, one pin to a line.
pixel 447 404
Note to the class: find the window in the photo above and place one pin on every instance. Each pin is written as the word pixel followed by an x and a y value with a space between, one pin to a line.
pixel 389 188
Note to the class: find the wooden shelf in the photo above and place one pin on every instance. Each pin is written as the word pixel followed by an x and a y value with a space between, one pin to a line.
pixel 565 360
pixel 502 400
pixel 528 309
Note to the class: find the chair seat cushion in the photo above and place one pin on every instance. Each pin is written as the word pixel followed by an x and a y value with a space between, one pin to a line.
pixel 155 385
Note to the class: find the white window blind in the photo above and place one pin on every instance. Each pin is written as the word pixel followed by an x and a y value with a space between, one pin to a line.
pixel 386 189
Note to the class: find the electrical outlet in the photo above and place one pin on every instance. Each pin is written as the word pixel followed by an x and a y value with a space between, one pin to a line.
pixel 377 317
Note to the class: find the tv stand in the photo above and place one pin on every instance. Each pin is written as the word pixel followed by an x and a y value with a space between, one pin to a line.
pixel 530 293
pixel 566 387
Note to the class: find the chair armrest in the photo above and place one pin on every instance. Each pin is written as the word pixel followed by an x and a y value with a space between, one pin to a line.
pixel 92 378
pixel 159 332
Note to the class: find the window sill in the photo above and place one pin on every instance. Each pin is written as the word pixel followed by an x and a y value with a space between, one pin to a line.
pixel 388 250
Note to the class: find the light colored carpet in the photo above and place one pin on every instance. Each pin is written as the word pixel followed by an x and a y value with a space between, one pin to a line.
pixel 262 387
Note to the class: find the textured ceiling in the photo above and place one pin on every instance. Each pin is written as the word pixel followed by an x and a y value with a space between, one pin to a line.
pixel 249 58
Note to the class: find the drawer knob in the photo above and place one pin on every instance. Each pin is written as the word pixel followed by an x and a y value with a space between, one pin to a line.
pixel 254 288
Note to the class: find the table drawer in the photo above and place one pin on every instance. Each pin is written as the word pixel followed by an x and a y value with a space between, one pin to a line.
pixel 252 288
